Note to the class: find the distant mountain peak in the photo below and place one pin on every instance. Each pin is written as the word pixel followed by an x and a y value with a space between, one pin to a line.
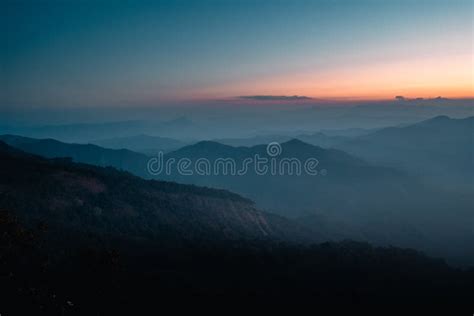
pixel 443 121
pixel 440 118
pixel 206 146
pixel 209 143
pixel 295 142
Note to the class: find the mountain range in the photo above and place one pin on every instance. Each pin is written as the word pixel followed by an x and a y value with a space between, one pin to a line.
pixel 318 139
pixel 108 202
pixel 78 238
pixel 440 150
pixel 146 144
pixel 296 194
pixel 346 201
pixel 88 132
pixel 121 159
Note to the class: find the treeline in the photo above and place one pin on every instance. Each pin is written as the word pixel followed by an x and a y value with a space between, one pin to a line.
pixel 92 275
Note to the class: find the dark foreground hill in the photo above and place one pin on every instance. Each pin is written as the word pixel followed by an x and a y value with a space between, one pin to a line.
pixel 121 159
pixel 106 201
pixel 82 240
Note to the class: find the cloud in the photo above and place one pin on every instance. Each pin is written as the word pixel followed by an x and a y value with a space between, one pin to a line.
pixel 275 97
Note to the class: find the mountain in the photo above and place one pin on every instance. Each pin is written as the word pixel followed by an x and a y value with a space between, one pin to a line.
pixel 252 141
pixel 146 144
pixel 87 132
pixel 109 202
pixel 78 239
pixel 44 278
pixel 317 139
pixel 81 132
pixel 440 149
pixel 90 154
pixel 348 132
pixel 347 198
pixel 321 139
pixel 290 193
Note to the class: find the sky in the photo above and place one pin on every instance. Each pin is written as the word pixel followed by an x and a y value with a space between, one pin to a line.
pixel 130 53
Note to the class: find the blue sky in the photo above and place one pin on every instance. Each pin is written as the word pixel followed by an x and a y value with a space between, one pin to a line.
pixel 74 53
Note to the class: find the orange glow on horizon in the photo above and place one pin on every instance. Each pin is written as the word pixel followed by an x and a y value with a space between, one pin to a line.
pixel 452 77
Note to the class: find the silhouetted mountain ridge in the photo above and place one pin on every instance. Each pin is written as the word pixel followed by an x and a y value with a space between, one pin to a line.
pixel 106 201
pixel 84 153
pixel 142 143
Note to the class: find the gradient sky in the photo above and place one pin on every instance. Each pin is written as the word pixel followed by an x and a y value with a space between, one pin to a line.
pixel 76 53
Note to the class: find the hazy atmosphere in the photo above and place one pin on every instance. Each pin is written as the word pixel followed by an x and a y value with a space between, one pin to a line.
pixel 259 152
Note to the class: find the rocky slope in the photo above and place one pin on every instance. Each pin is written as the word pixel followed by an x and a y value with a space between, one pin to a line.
pixel 109 202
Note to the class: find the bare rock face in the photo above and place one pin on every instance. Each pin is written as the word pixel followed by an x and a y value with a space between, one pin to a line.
pixel 107 201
